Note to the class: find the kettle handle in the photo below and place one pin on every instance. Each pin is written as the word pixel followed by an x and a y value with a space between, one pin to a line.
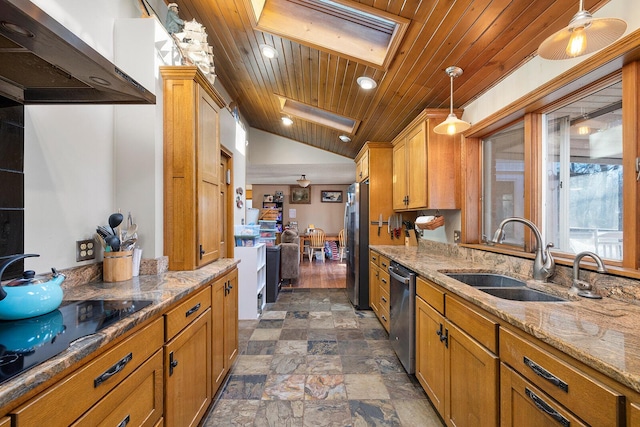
pixel 10 260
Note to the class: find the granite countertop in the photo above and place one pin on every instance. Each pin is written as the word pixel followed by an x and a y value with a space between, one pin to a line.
pixel 163 289
pixel 603 334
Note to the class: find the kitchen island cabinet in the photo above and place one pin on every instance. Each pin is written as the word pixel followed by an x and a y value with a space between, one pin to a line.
pixel 224 309
pixel 191 168
pixel 424 165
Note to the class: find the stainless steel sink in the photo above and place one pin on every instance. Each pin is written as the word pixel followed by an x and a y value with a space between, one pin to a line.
pixel 486 280
pixel 522 294
pixel 502 286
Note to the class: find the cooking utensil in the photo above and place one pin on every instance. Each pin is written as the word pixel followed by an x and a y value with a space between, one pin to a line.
pixel 100 239
pixel 103 231
pixel 115 219
pixel 113 242
pixel 131 230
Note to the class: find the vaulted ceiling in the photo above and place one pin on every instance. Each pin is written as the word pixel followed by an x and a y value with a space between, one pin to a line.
pixel 488 39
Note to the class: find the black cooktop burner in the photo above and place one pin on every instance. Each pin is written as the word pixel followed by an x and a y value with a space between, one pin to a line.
pixel 28 342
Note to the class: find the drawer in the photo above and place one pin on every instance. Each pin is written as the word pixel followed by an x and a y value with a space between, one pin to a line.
pixel 385 280
pixel 374 257
pixel 138 401
pixel 523 404
pixel 431 293
pixel 582 394
pixel 384 299
pixel 481 328
pixel 82 389
pixel 186 312
pixel 384 263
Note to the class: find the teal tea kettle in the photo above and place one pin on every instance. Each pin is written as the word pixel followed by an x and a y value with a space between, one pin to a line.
pixel 29 296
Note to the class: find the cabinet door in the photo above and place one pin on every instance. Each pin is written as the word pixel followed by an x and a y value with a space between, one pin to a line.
pixel 231 319
pixel 187 361
pixel 417 167
pixel 374 287
pixel 430 353
pixel 442 168
pixel 207 182
pixel 399 176
pixel 524 405
pixel 471 392
pixel 362 167
pixel 218 359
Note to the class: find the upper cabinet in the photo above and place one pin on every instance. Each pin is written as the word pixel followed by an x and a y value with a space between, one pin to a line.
pixel 362 166
pixel 425 165
pixel 191 168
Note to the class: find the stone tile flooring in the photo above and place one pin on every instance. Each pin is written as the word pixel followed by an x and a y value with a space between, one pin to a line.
pixel 312 360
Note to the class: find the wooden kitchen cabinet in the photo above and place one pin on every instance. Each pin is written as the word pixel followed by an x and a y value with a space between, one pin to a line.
pixel 5 422
pixel 379 287
pixel 362 166
pixel 191 168
pixel 224 346
pixel 378 157
pixel 571 388
pixel 374 281
pixel 84 388
pixel 450 349
pixel 187 364
pixel 425 169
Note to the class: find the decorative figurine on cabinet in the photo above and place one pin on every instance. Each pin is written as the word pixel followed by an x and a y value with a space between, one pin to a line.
pixel 173 22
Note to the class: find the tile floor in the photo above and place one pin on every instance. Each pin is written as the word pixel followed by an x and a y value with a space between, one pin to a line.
pixel 312 360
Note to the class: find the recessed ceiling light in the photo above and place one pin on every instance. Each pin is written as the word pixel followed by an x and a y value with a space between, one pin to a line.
pixel 344 138
pixel 268 51
pixel 287 121
pixel 367 83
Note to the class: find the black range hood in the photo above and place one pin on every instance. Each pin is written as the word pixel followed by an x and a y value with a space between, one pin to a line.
pixel 42 62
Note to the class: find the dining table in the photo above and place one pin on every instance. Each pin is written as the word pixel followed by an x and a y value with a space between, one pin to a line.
pixel 304 238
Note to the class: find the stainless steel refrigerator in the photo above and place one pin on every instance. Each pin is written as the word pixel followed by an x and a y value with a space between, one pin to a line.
pixel 356 225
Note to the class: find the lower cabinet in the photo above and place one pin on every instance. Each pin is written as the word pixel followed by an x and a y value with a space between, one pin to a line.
pixel 187 361
pixel 453 365
pixel 379 287
pixel 224 346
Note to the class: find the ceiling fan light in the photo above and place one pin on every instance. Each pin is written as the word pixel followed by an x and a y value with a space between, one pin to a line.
pixel 584 34
pixel 303 181
pixel 366 83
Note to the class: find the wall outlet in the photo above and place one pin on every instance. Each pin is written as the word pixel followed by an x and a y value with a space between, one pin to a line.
pixel 456 236
pixel 85 250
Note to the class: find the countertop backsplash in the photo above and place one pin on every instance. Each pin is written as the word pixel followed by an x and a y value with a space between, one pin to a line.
pixel 606 285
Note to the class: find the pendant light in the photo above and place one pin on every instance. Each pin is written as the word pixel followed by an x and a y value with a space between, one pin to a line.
pixel 584 34
pixel 452 124
pixel 303 181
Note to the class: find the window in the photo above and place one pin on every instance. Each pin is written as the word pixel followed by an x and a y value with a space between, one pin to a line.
pixel 582 184
pixel 503 182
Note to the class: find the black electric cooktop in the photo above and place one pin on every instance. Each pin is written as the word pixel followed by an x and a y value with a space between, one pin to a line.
pixel 26 343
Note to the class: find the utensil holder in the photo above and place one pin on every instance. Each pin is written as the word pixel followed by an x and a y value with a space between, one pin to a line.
pixel 117 266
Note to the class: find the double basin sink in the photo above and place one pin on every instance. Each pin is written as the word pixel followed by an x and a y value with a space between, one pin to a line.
pixel 504 287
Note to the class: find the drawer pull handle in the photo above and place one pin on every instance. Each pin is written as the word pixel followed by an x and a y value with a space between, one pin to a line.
pixel 384 264
pixel 383 299
pixel 124 422
pixel 384 280
pixel 540 371
pixel 384 318
pixel 172 363
pixel 113 370
pixel 546 408
pixel 192 310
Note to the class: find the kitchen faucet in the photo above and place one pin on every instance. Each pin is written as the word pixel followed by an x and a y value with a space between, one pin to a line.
pixel 580 287
pixel 543 265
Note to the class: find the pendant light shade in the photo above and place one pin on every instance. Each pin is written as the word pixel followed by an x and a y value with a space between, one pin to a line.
pixel 584 34
pixel 303 181
pixel 452 124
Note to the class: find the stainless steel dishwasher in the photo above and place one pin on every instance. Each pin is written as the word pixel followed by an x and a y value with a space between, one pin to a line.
pixel 402 314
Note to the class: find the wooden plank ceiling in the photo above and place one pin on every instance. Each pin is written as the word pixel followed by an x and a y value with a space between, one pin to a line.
pixel 488 39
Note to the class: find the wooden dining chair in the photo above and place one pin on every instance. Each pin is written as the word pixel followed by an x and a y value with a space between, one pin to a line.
pixel 316 243
pixel 342 241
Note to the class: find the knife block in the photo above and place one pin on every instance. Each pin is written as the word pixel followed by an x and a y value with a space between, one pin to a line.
pixel 117 266
pixel 411 239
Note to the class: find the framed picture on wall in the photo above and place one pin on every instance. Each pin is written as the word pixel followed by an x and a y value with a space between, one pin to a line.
pixel 300 195
pixel 328 196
